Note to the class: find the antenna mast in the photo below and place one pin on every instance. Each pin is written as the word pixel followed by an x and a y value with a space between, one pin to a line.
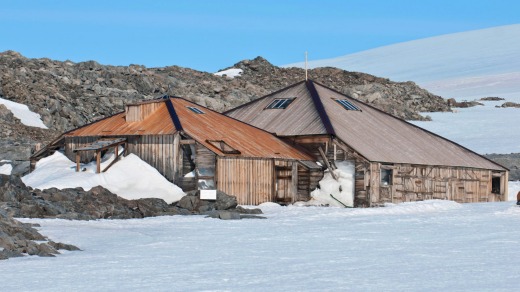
pixel 306 66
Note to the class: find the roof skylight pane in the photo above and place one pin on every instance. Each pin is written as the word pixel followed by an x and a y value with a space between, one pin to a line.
pixel 280 103
pixel 195 110
pixel 347 105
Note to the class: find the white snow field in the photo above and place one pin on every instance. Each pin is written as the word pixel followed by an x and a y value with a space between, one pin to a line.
pixel 22 112
pixel 129 178
pixel 474 63
pixel 466 66
pixel 422 246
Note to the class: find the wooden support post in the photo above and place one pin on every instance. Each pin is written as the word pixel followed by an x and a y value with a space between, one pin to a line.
pixel 77 161
pixel 98 161
pixel 294 181
pixel 327 163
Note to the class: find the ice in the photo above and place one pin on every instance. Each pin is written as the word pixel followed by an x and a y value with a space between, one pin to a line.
pixel 22 112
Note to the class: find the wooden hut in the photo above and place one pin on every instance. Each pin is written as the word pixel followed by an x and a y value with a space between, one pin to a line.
pixel 395 161
pixel 197 148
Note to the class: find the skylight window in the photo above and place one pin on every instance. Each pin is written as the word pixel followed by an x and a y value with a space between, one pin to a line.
pixel 347 105
pixel 280 103
pixel 195 110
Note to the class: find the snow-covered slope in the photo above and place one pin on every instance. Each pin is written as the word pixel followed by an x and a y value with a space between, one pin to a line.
pixel 480 62
pixel 22 112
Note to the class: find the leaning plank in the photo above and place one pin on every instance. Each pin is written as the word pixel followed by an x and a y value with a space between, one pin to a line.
pixel 327 163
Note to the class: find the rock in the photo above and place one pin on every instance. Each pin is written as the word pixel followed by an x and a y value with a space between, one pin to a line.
pixel 510 104
pixel 227 215
pixel 243 210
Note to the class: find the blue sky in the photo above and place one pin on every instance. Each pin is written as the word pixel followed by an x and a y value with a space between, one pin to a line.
pixel 211 35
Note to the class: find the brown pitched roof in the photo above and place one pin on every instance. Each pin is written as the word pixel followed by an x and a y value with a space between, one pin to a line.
pixel 208 126
pixel 373 133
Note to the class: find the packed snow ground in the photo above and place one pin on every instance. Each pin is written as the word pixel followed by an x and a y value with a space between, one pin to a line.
pixel 22 112
pixel 129 178
pixel 422 246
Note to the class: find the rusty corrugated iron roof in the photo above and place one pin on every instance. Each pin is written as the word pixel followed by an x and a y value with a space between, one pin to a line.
pixel 374 134
pixel 202 127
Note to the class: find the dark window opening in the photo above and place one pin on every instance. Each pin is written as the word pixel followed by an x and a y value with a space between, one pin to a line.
pixel 386 177
pixel 280 103
pixel 223 146
pixel 495 185
pixel 195 110
pixel 347 105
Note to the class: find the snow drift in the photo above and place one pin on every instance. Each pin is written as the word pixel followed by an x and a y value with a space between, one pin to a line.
pixel 22 112
pixel 130 178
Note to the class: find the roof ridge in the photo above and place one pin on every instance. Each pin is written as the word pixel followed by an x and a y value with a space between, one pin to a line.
pixel 319 107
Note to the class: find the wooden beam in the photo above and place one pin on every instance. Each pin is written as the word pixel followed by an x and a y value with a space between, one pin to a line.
pixel 77 161
pixel 98 161
pixel 327 163
pixel 114 161
pixel 187 142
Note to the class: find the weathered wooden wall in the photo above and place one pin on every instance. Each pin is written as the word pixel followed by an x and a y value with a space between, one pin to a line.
pixel 156 150
pixel 138 112
pixel 420 182
pixel 250 180
pixel 409 182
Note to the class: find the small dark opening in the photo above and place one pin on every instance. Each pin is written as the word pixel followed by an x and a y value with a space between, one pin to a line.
pixel 495 185
pixel 386 177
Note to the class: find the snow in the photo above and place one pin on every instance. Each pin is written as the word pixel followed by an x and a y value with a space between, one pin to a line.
pixel 6 169
pixel 465 66
pixel 485 53
pixel 22 112
pixel 230 73
pixel 422 246
pixel 483 129
pixel 514 188
pixel 130 178
pixel 342 189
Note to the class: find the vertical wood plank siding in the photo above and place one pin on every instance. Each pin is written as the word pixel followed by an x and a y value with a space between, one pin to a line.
pixel 156 150
pixel 139 112
pixel 250 180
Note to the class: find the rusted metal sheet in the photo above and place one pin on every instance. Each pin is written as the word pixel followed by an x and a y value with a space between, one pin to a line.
pixel 375 135
pixel 250 141
pixel 202 127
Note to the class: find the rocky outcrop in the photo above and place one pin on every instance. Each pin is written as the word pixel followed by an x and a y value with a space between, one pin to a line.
pixel 18 141
pixel 510 104
pixel 18 239
pixel 17 200
pixel 68 95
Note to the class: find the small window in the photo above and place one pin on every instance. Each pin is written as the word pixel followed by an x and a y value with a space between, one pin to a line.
pixel 347 105
pixel 495 185
pixel 223 146
pixel 195 110
pixel 280 103
pixel 386 176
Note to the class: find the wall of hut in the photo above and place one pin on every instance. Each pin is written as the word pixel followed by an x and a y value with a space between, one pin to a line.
pixel 409 182
pixel 156 150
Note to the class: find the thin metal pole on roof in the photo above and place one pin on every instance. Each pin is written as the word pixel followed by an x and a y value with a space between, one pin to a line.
pixel 305 65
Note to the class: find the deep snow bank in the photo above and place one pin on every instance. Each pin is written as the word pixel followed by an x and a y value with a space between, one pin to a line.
pixel 130 178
